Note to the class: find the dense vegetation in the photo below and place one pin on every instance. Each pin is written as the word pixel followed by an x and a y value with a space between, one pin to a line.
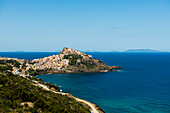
pixel 88 63
pixel 15 90
pixel 72 58
pixel 33 72
pixel 14 62
pixel 5 68
pixel 73 61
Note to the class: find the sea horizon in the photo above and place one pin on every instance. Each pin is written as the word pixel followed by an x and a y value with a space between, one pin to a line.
pixel 113 53
pixel 141 86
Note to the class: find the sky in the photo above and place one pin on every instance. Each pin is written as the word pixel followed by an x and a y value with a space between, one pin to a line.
pixel 95 25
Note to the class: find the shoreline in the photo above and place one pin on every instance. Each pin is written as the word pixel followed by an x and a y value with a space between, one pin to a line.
pixel 73 72
pixel 79 72
pixel 92 107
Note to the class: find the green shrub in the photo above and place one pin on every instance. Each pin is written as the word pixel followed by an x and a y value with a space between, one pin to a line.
pixel 17 64
pixel 72 58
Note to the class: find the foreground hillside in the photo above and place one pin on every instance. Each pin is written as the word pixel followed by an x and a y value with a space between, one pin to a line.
pixel 19 94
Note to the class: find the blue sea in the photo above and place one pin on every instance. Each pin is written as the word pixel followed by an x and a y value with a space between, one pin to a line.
pixel 142 86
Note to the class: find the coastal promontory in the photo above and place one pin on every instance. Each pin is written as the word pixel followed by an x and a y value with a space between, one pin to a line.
pixel 67 61
pixel 70 61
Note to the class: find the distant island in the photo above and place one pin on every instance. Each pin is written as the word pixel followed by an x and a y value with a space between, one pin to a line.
pixel 141 50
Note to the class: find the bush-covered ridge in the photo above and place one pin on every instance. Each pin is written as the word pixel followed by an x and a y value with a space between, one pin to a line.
pixel 18 94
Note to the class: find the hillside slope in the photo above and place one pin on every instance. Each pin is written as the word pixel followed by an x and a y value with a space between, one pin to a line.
pixel 19 94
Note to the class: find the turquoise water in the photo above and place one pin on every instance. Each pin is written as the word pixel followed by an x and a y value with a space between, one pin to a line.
pixel 143 86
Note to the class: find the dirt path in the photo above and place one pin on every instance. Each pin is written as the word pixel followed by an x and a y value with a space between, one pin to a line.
pixel 93 109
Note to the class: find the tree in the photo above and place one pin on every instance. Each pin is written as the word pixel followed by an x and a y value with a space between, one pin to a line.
pixel 16 64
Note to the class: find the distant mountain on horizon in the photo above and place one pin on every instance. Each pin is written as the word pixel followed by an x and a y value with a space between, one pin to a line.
pixel 142 50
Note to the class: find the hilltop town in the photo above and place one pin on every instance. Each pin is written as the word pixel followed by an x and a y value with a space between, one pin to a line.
pixel 67 61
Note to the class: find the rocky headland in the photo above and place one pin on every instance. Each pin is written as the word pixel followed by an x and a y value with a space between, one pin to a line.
pixel 67 61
